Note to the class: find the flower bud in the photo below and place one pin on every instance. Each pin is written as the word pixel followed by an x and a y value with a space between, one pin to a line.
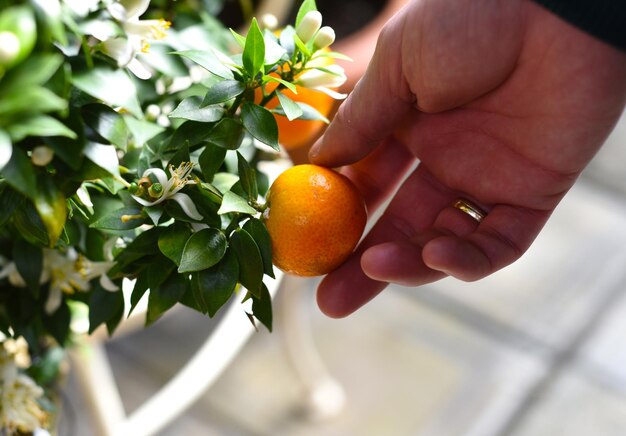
pixel 9 47
pixel 324 38
pixel 334 77
pixel 269 21
pixel 42 155
pixel 133 188
pixel 309 26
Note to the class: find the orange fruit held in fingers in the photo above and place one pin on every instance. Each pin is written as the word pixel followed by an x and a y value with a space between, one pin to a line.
pixel 315 217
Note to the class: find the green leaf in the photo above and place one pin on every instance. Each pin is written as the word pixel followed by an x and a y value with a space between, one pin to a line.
pixel 159 270
pixel 142 130
pixel 36 70
pixel 213 287
pixel 289 85
pixel 305 7
pixel 114 87
pixel 19 20
pixel 332 55
pixel 51 206
pixel 190 132
pixel 211 160
pixel 286 39
pixel 262 307
pixel 227 133
pixel 250 261
pixel 126 218
pixel 253 56
pixel 20 174
pixel 10 200
pixel 290 108
pixel 260 123
pixel 189 109
pixel 139 290
pixel 308 113
pixel 223 91
pixel 39 125
pixel 109 125
pixel 28 260
pixel 231 202
pixel 241 40
pixel 31 100
pixel 273 51
pixel 58 323
pixel 301 46
pixel 144 244
pixel 104 307
pixel 203 250
pixel 28 224
pixel 172 241
pixel 181 155
pixel 6 149
pixel 165 296
pixel 105 156
pixel 247 178
pixel 261 236
pixel 209 61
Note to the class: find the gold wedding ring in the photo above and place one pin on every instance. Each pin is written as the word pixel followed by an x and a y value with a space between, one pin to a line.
pixel 470 209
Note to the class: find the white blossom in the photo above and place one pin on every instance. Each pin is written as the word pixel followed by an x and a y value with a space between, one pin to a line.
pixel 325 37
pixel 309 26
pixel 179 178
pixel 332 76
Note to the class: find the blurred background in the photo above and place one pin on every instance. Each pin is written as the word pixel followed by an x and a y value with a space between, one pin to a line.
pixel 536 349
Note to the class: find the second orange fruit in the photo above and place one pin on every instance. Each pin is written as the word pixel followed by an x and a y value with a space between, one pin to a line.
pixel 315 217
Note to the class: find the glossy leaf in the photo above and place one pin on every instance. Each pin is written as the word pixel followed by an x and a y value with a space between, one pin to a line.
pixel 37 69
pixel 261 236
pixel 172 241
pixel 223 91
pixel 232 202
pixel 28 260
pixel 114 87
pixel 51 206
pixel 10 200
pixel 104 156
pixel 261 124
pixel 253 56
pixel 262 307
pixel 273 51
pixel 35 99
pixel 290 107
pixel 20 174
pixel 228 134
pixel 58 323
pixel 250 261
pixel 247 178
pixel 165 296
pixel 125 218
pixel 139 290
pixel 288 85
pixel 142 130
pixel 213 287
pixel 209 61
pixel 107 123
pixel 39 125
pixel 104 307
pixel 241 40
pixel 189 109
pixel 211 160
pixel 203 249
pixel 6 149
pixel 308 113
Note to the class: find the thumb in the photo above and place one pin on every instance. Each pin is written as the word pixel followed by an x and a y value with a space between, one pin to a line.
pixel 376 106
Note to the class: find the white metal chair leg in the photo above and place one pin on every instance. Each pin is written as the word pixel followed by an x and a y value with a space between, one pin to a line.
pixel 324 396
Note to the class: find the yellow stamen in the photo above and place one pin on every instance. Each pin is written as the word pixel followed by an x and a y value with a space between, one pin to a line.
pixel 145 46
pixel 159 30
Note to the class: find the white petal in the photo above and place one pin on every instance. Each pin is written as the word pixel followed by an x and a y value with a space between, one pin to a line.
pixel 54 300
pixel 135 8
pixel 158 173
pixel 119 49
pixel 138 69
pixel 334 94
pixel 107 284
pixel 186 203
pixel 146 202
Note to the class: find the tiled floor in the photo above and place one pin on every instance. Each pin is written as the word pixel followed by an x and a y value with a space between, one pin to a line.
pixel 534 350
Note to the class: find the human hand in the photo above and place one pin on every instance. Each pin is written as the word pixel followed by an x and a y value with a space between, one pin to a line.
pixel 502 103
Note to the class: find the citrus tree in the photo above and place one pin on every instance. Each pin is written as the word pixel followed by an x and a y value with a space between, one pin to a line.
pixel 130 137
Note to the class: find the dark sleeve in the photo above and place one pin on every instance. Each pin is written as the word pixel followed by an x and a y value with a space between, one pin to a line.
pixel 605 19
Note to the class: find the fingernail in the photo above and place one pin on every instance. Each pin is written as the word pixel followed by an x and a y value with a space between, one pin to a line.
pixel 315 150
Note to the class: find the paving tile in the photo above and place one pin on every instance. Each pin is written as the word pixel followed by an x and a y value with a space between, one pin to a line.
pixel 575 406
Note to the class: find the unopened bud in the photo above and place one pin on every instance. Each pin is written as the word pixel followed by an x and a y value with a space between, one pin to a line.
pixel 42 155
pixel 324 38
pixel 9 47
pixel 334 77
pixel 133 188
pixel 152 112
pixel 269 21
pixel 309 26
